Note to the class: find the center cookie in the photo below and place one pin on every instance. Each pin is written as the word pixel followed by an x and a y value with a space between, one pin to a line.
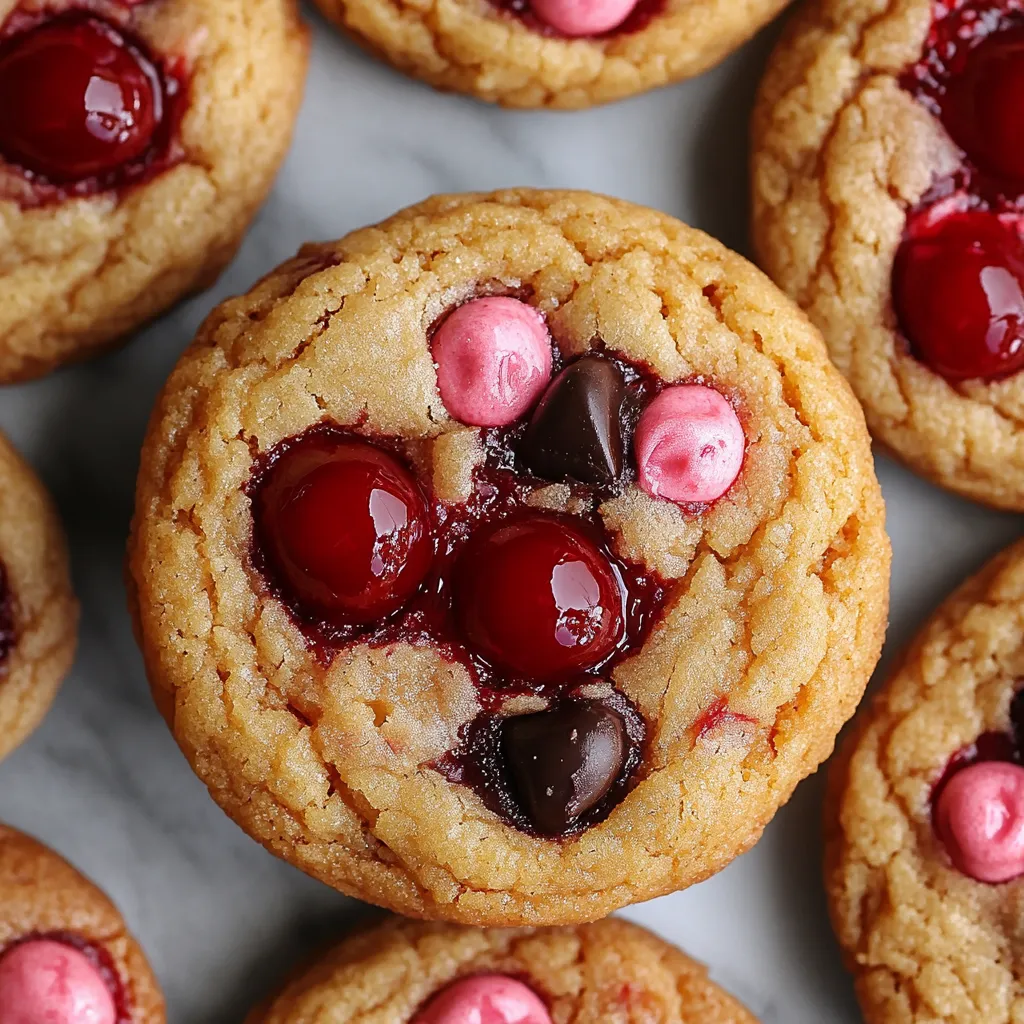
pixel 552 53
pixel 889 202
pixel 511 560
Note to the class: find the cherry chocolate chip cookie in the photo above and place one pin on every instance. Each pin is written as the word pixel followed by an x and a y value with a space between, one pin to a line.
pixel 403 972
pixel 38 611
pixel 137 140
pixel 889 202
pixel 925 837
pixel 509 561
pixel 65 954
pixel 551 53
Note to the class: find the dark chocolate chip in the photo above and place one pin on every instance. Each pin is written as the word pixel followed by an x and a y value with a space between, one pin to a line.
pixel 563 762
pixel 576 432
pixel 1017 720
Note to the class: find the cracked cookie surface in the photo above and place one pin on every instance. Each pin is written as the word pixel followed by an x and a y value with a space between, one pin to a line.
pixel 849 153
pixel 479 47
pixel 38 611
pixel 611 972
pixel 776 594
pixel 925 941
pixel 80 271
pixel 42 896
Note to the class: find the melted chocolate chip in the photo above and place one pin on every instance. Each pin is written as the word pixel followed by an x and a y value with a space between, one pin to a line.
pixel 564 761
pixel 576 430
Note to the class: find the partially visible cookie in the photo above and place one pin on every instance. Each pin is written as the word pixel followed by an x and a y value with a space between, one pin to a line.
pixel 925 830
pixel 137 141
pixel 551 53
pixel 606 973
pixel 55 926
pixel 38 611
pixel 889 202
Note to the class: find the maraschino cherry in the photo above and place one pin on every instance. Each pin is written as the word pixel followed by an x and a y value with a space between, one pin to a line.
pixel 78 99
pixel 343 528
pixel 984 105
pixel 537 598
pixel 958 290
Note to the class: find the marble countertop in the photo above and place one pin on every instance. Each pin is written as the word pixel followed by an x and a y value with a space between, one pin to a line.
pixel 103 782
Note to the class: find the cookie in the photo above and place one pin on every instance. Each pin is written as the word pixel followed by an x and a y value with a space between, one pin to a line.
pixel 441 974
pixel 889 202
pixel 551 53
pixel 56 925
pixel 509 561
pixel 925 837
pixel 129 176
pixel 38 611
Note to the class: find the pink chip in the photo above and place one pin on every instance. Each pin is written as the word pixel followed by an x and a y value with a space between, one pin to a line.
pixel 486 999
pixel 980 819
pixel 583 17
pixel 493 360
pixel 689 445
pixel 46 982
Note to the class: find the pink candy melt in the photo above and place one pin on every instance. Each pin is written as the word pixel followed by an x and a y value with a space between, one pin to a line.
pixel 493 360
pixel 47 982
pixel 689 445
pixel 487 999
pixel 980 818
pixel 583 17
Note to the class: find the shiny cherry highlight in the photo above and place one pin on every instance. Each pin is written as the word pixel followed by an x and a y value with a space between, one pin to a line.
pixel 537 598
pixel 78 99
pixel 983 107
pixel 958 292
pixel 343 530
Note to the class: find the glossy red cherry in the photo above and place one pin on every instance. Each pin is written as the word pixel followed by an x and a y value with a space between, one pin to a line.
pixel 344 530
pixel 984 105
pixel 77 99
pixel 537 598
pixel 958 290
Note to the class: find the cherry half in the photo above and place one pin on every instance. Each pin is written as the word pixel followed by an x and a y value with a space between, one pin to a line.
pixel 983 108
pixel 343 528
pixel 536 597
pixel 78 99
pixel 958 292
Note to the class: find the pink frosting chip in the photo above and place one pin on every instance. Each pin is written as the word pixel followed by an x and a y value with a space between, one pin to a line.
pixel 493 360
pixel 689 445
pixel 47 982
pixel 583 17
pixel 486 999
pixel 980 818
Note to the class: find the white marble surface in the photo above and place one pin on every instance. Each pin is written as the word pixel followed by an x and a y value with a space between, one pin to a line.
pixel 102 780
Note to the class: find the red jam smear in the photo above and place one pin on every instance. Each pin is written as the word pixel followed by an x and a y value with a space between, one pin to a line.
pixel 99 957
pixel 85 106
pixel 958 279
pixel 639 18
pixel 431 616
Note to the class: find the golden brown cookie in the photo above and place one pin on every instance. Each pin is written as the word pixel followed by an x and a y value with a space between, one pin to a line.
pixel 925 834
pixel 38 611
pixel 551 53
pixel 889 202
pixel 172 119
pixel 607 973
pixel 55 923
pixel 530 671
